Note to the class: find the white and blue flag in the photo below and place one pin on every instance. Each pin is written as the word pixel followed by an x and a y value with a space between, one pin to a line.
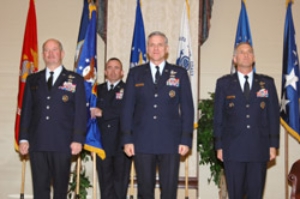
pixel 185 55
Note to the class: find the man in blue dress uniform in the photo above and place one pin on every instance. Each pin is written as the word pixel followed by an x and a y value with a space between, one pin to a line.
pixel 113 171
pixel 246 125
pixel 157 119
pixel 53 122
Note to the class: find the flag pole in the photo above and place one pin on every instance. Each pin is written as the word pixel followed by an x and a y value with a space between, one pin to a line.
pixel 77 191
pixel 286 162
pixel 94 176
pixel 287 148
pixel 23 177
pixel 186 177
pixel 30 51
pixel 289 116
pixel 131 180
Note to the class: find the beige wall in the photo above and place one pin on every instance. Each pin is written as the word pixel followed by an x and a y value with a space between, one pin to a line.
pixel 60 19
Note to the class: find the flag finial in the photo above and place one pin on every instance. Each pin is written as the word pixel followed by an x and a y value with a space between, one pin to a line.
pixel 188 9
pixel 289 1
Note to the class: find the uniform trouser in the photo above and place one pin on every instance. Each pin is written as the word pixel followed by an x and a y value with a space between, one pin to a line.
pixel 113 175
pixel 245 179
pixel 47 168
pixel 168 168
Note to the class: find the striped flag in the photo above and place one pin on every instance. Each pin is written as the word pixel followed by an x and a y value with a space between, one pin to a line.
pixel 87 67
pixel 28 64
pixel 243 32
pixel 138 48
pixel 290 88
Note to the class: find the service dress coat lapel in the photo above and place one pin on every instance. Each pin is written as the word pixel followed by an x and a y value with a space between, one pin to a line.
pixel 147 78
pixel 236 87
pixel 164 77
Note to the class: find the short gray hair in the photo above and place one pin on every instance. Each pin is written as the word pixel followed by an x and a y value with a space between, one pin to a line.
pixel 158 33
pixel 241 43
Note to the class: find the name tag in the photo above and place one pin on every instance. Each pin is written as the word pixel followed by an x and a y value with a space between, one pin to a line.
pixel 230 97
pixel 139 84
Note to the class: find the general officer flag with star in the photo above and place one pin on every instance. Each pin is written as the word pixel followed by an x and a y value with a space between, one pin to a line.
pixel 290 88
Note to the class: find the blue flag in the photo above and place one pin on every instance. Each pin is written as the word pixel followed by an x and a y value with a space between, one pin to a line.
pixel 243 32
pixel 87 67
pixel 290 88
pixel 138 47
pixel 82 29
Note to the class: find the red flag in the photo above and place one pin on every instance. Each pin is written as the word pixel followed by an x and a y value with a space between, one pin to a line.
pixel 28 64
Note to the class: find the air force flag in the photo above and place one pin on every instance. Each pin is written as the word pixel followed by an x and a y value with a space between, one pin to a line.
pixel 87 67
pixel 138 49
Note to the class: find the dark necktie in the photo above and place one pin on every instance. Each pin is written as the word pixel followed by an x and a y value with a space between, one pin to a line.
pixel 246 88
pixel 50 81
pixel 111 87
pixel 157 74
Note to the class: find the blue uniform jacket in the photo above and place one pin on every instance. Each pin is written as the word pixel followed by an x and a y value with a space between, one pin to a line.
pixel 157 118
pixel 245 130
pixel 51 120
pixel 110 102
